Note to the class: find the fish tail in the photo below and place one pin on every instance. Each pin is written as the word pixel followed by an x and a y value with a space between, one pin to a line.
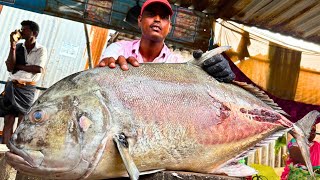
pixel 301 131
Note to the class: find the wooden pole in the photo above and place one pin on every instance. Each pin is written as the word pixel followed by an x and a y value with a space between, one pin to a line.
pixel 88 46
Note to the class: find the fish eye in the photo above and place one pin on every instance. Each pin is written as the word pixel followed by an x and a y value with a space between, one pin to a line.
pixel 37 116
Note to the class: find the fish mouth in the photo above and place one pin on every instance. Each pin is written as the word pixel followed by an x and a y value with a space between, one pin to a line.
pixel 24 157
pixel 30 162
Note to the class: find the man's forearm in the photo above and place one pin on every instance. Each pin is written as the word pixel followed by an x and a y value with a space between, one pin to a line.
pixel 11 60
pixel 29 68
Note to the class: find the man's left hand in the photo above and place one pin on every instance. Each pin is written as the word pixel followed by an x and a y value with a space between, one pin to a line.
pixel 217 66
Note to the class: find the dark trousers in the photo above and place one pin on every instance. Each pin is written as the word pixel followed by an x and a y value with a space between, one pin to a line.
pixel 16 98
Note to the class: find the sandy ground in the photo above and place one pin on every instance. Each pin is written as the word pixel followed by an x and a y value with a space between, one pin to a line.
pixel 6 171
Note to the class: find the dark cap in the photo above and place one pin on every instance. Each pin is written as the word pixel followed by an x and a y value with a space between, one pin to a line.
pixel 164 2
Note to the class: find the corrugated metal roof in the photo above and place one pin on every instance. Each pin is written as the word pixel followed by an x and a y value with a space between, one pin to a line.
pixel 297 18
pixel 64 39
pixel 192 19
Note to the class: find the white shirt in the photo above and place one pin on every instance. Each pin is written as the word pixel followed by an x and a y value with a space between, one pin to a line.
pixel 37 56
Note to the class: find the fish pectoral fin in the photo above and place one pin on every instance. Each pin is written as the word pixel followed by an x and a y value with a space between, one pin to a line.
pixel 236 170
pixel 123 148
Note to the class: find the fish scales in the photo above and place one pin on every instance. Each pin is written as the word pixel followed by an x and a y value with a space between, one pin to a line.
pixel 174 117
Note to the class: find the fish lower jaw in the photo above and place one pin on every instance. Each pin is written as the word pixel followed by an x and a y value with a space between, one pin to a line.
pixel 21 165
pixel 29 157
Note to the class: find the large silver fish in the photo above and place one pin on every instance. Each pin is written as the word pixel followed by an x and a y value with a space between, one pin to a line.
pixel 105 123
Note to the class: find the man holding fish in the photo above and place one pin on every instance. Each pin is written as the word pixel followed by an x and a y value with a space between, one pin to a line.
pixel 102 123
pixel 155 24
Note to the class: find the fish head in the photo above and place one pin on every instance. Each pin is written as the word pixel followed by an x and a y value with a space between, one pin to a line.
pixel 61 136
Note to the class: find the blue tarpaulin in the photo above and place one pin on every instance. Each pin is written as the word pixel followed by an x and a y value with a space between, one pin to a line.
pixel 37 6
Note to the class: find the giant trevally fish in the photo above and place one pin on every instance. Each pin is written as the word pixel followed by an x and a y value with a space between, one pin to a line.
pixel 105 123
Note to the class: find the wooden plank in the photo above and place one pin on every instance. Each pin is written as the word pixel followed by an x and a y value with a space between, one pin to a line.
pixel 174 175
pixel 21 176
pixel 272 155
pixel 167 175
pixel 251 158
pixel 264 155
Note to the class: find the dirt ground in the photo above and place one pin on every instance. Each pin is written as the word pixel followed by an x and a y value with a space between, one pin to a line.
pixel 6 171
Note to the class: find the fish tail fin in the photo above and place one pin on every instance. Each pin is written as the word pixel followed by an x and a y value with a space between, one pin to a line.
pixel 307 122
pixel 301 131
pixel 208 55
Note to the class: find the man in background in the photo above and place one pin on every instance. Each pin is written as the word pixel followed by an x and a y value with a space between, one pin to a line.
pixel 25 64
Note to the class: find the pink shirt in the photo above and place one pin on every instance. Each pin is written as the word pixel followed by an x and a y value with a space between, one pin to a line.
pixel 131 48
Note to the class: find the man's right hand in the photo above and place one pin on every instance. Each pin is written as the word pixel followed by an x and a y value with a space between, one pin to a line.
pixel 122 61
pixel 12 41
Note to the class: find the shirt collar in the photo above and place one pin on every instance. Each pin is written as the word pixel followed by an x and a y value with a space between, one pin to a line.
pixel 37 46
pixel 136 45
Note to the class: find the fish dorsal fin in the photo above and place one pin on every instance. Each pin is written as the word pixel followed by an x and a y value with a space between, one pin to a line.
pixel 123 148
pixel 261 95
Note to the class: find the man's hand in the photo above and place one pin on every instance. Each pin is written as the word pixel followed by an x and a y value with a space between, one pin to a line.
pixel 122 61
pixel 217 66
pixel 11 60
pixel 13 42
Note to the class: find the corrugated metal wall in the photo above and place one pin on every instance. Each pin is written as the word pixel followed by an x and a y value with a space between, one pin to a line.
pixel 65 41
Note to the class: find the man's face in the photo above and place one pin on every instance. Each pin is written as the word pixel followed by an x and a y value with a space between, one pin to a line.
pixel 155 22
pixel 26 32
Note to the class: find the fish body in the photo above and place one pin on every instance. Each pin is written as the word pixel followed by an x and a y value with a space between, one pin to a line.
pixel 172 117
